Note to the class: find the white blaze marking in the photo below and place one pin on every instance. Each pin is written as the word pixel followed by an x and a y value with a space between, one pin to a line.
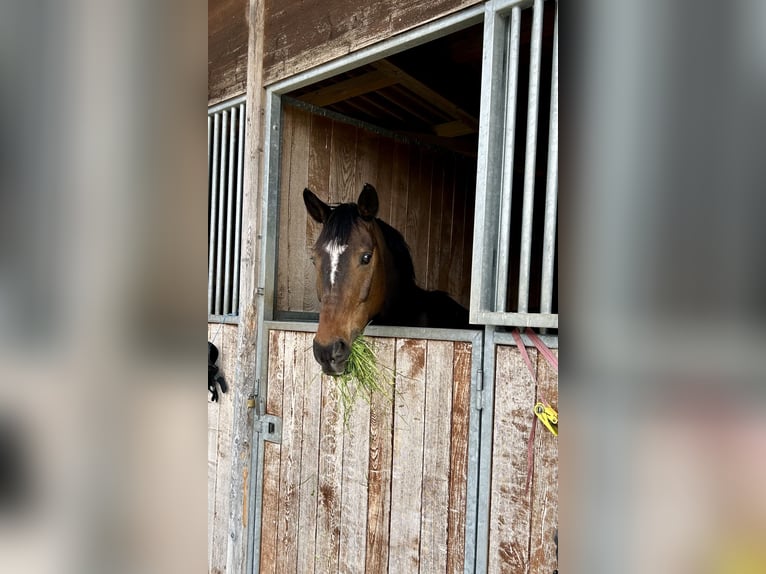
pixel 334 251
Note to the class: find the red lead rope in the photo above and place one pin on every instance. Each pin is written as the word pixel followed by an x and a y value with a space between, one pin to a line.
pixel 553 362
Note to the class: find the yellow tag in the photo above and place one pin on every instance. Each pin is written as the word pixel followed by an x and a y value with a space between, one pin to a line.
pixel 548 416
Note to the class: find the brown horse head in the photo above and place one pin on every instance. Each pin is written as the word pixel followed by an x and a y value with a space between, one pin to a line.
pixel 349 257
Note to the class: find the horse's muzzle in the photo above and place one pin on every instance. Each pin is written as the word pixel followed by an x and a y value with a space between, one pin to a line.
pixel 333 357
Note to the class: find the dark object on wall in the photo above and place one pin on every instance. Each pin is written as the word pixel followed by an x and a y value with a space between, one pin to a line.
pixel 213 376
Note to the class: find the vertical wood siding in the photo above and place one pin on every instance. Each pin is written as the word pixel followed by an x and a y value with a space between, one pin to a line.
pixel 219 425
pixel 386 492
pixel 426 194
pixel 522 520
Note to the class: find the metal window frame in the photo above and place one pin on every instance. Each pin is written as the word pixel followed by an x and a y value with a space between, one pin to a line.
pixel 492 217
pixel 226 187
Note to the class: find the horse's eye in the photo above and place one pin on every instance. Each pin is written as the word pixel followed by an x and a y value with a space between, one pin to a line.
pixel 313 262
pixel 366 258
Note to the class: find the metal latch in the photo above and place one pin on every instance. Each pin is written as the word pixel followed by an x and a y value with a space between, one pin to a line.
pixel 270 427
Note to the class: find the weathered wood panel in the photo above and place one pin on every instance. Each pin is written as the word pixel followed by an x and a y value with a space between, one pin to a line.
pixel 436 456
pixel 219 447
pixel 426 194
pixel 545 494
pixel 523 517
pixel 510 500
pixel 461 401
pixel 300 35
pixel 379 476
pixel 226 49
pixel 407 471
pixel 356 497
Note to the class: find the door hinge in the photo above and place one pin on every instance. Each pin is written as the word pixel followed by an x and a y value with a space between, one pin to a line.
pixel 479 389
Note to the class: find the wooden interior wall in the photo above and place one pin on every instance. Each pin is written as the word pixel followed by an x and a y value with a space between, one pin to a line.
pixel 522 519
pixel 301 35
pixel 219 449
pixel 385 493
pixel 425 193
pixel 226 49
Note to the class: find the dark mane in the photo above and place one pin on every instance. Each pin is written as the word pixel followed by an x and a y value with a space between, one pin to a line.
pixel 400 250
pixel 340 224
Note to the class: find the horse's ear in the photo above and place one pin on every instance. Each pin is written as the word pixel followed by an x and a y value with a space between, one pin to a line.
pixel 368 202
pixel 318 209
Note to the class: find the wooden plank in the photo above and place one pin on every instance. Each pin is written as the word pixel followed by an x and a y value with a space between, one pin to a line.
pixel 384 178
pixel 252 233
pixel 407 465
pixel 272 456
pixel 510 501
pixel 301 35
pixel 296 232
pixel 319 183
pixel 461 412
pixel 435 217
pixel 290 466
pixel 309 481
pixel 454 129
pixel 213 411
pixel 367 163
pixel 330 486
pixel 445 240
pixel 357 86
pixel 400 184
pixel 227 342
pixel 342 163
pixel 418 212
pixel 283 245
pixel 436 456
pixel 353 518
pixel 226 49
pixel 470 198
pixel 545 478
pixel 379 481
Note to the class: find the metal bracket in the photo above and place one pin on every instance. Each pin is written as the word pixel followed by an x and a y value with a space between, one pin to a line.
pixel 479 389
pixel 270 427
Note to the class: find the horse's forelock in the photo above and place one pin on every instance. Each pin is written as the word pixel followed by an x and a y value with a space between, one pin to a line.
pixel 338 227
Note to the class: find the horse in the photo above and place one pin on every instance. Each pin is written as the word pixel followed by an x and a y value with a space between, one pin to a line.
pixel 364 273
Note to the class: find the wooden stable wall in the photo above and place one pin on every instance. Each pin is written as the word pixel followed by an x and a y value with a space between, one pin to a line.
pixel 523 517
pixel 227 25
pixel 301 35
pixel 425 193
pixel 387 493
pixel 219 451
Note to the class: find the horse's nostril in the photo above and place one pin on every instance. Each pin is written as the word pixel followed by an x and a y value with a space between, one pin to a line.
pixel 340 350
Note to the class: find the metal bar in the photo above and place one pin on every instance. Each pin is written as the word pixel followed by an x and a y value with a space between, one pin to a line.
pixel 472 470
pixel 238 211
pixel 552 185
pixel 212 223
pixel 485 452
pixel 225 105
pixel 221 204
pixel 226 319
pixel 529 163
pixel 536 320
pixel 487 169
pixel 400 42
pixel 504 229
pixel 503 338
pixel 384 331
pixel 502 6
pixel 230 197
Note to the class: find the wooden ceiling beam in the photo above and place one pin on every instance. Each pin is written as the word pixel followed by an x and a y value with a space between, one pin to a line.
pixel 432 96
pixel 453 129
pixel 357 86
